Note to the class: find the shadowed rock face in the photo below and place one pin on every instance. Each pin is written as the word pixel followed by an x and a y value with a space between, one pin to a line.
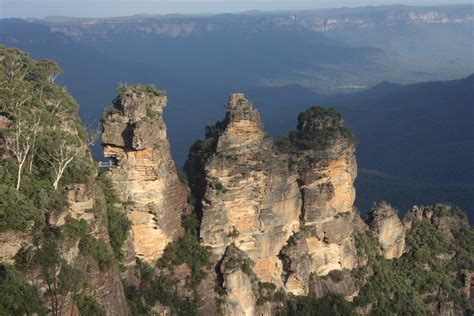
pixel 322 151
pixel 134 136
pixel 384 222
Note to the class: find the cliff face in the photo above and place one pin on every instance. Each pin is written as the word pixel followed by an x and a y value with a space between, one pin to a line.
pixel 387 227
pixel 250 197
pixel 289 211
pixel 323 154
pixel 323 21
pixel 134 137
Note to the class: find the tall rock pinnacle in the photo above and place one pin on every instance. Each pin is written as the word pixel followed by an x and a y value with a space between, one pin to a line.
pixel 322 150
pixel 134 137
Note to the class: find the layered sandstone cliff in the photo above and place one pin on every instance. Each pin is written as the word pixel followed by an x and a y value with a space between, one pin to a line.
pixel 143 173
pixel 322 152
pixel 290 211
pixel 249 197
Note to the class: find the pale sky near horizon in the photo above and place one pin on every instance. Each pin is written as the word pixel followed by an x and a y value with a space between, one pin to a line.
pixel 107 8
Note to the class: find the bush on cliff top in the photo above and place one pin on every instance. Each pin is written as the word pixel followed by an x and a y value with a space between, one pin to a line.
pixel 147 89
pixel 318 129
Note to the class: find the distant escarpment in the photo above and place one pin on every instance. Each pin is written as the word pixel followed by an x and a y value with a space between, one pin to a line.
pixel 144 175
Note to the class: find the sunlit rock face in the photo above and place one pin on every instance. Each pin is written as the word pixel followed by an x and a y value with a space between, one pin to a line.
pixel 249 197
pixel 144 174
pixel 386 225
pixel 290 210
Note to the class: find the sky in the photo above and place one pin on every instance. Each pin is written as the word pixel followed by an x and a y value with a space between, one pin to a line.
pixel 107 8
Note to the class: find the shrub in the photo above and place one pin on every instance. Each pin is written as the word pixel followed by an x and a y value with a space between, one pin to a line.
pixel 310 306
pixel 152 114
pixel 147 89
pixel 17 211
pixel 118 223
pixel 266 293
pixel 97 249
pixel 75 229
pixel 336 275
pixel 16 296
pixel 81 170
pixel 153 288
pixel 187 250
pixel 87 305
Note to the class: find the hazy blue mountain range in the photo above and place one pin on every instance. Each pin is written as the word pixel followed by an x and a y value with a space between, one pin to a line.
pixel 415 140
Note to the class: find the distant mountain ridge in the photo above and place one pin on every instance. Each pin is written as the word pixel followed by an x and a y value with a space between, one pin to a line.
pixel 415 142
pixel 177 25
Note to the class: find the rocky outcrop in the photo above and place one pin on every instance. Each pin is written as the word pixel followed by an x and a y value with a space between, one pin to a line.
pixel 250 198
pixel 11 241
pixel 288 208
pixel 384 222
pixel 322 152
pixel 144 174
pixel 239 282
pixel 444 217
pixel 337 282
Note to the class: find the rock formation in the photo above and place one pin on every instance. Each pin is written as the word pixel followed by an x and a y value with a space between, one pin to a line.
pixel 134 138
pixel 290 210
pixel 322 152
pixel 386 225
pixel 445 217
pixel 250 198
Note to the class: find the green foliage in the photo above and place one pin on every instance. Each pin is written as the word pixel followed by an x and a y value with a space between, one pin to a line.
pixel 406 285
pixel 187 250
pixel 267 293
pixel 147 89
pixel 152 114
pixel 190 221
pixel 16 296
pixel 155 288
pixel 464 246
pixel 88 306
pixel 118 223
pixel 75 229
pixel 81 170
pixel 310 306
pixel 326 127
pixel 39 189
pixel 17 211
pixel 220 188
pixel 336 275
pixel 237 259
pixel 97 249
